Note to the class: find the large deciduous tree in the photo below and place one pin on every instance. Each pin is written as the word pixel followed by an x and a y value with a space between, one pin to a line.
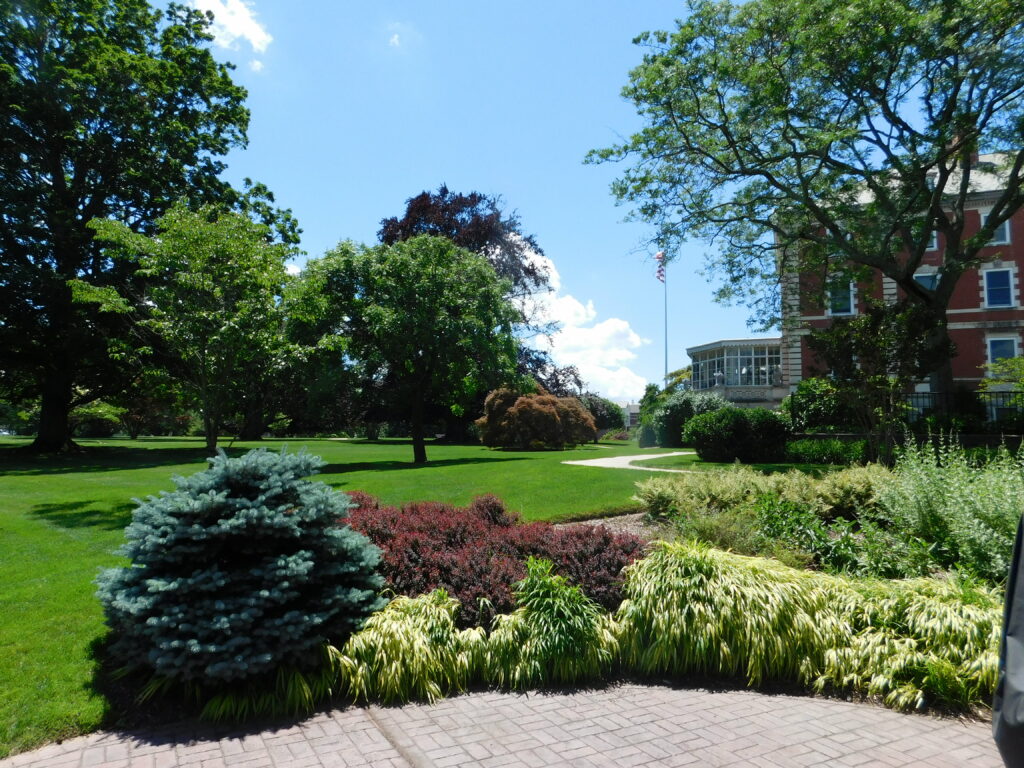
pixel 213 282
pixel 476 222
pixel 828 135
pixel 427 322
pixel 108 109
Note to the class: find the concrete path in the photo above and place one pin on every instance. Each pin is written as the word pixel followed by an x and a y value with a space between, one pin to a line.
pixel 626 462
pixel 627 725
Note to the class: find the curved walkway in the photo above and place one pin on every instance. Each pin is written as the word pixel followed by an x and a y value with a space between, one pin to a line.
pixel 626 462
pixel 626 725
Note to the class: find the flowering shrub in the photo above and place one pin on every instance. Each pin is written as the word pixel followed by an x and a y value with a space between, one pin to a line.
pixel 478 553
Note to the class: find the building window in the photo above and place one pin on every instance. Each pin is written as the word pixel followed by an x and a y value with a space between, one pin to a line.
pixel 928 280
pixel 841 299
pixel 1001 348
pixel 933 242
pixel 998 288
pixel 754 366
pixel 1001 235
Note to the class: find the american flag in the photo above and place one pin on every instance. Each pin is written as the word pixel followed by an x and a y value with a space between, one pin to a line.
pixel 660 258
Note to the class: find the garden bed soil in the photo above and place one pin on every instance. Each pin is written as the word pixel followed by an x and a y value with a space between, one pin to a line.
pixel 638 524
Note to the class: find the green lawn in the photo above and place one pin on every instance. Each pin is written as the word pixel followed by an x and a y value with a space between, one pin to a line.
pixel 690 461
pixel 62 518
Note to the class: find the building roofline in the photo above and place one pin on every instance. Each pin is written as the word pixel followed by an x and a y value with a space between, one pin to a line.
pixel 768 341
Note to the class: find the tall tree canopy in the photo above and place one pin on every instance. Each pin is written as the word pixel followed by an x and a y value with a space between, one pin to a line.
pixel 476 222
pixel 110 109
pixel 213 284
pixel 827 135
pixel 428 323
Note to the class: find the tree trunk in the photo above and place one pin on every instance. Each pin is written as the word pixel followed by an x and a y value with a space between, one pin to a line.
pixel 419 447
pixel 210 430
pixel 54 435
pixel 254 423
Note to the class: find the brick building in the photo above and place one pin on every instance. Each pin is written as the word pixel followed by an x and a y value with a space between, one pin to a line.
pixel 986 310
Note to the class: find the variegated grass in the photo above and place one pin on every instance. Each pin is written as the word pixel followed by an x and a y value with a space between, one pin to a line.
pixel 557 635
pixel 412 650
pixel 691 609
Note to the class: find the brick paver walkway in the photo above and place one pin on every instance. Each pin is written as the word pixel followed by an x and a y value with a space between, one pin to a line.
pixel 627 725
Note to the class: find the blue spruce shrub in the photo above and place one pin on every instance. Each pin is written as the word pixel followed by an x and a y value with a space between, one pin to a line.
pixel 241 582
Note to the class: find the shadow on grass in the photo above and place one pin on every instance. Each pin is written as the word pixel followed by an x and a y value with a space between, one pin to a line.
pixel 148 453
pixel 20 461
pixel 390 466
pixel 85 514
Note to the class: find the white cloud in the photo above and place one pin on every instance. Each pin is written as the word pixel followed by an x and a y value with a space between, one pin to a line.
pixel 293 269
pixel 403 37
pixel 256 65
pixel 233 20
pixel 601 350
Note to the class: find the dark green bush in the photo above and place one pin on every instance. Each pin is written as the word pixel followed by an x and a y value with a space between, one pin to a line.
pixel 826 451
pixel 606 414
pixel 767 434
pixel 671 416
pixel 646 437
pixel 719 435
pixel 817 405
pixel 728 434
pixel 240 579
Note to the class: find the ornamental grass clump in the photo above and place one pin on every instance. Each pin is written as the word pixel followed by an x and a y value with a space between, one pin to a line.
pixel 917 642
pixel 412 650
pixel 557 636
pixel 241 586
pixel 691 609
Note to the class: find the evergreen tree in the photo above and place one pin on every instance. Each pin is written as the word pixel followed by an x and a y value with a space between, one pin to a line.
pixel 241 574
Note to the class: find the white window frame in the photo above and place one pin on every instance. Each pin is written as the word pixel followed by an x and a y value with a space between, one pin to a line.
pixel 988 348
pixel 933 243
pixel 1013 289
pixel 1001 236
pixel 853 303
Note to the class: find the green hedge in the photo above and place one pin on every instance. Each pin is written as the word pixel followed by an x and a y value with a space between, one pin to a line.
pixel 747 434
pixel 827 451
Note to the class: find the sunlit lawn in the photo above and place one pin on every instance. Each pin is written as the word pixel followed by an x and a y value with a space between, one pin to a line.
pixel 689 461
pixel 62 518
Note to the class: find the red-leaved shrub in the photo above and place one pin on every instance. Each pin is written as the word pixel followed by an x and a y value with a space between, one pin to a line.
pixel 478 552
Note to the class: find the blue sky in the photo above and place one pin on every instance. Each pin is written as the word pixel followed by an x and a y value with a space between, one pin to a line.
pixel 358 106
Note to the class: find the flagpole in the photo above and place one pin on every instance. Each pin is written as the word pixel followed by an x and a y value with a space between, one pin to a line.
pixel 665 286
pixel 662 274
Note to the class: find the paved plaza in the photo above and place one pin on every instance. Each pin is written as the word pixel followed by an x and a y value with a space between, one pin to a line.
pixel 626 725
